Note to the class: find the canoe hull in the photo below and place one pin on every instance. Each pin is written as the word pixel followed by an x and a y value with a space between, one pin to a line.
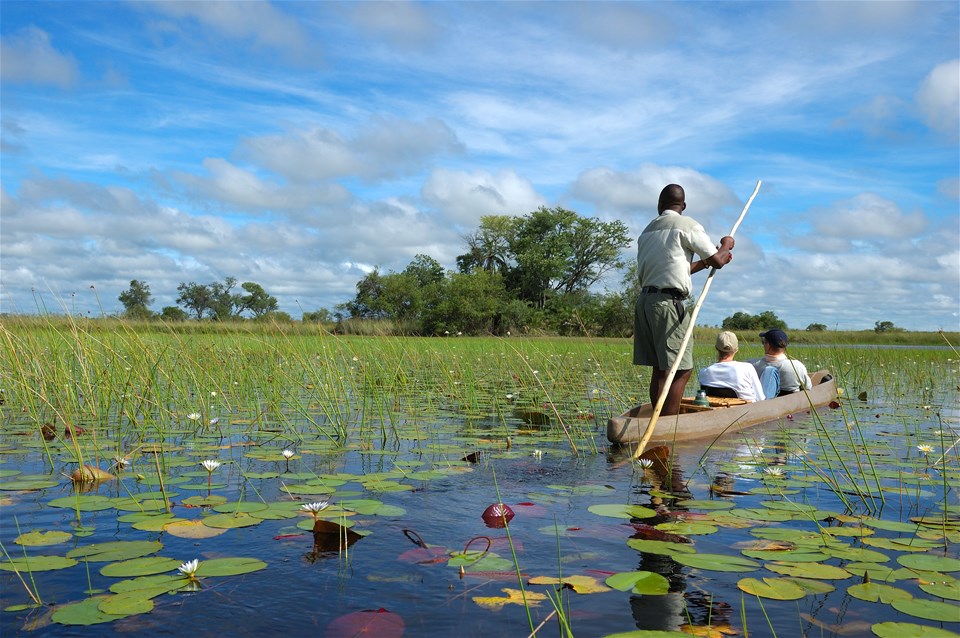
pixel 630 426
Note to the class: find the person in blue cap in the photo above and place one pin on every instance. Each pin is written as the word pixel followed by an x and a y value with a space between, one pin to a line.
pixel 779 374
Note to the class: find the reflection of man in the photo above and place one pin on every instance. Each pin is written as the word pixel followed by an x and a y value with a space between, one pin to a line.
pixel 779 374
pixel 665 251
pixel 729 378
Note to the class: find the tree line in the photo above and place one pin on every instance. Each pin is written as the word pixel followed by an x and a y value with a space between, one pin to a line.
pixel 533 273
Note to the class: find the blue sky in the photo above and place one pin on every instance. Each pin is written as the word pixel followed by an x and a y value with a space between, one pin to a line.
pixel 300 144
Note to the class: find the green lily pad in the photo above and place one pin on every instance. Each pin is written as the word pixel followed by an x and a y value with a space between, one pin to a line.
pixel 774 588
pixel 243 506
pixel 765 514
pixel 891 526
pixel 695 504
pixel 205 501
pixel 86 612
pixel 809 570
pixel 308 490
pixel 688 529
pixel 83 502
pixel 663 548
pixel 618 510
pixel 901 629
pixel 641 582
pixel 37 564
pixel 131 602
pixel 229 566
pixel 877 592
pixel 912 544
pixel 812 586
pixel 37 538
pixel 115 551
pixel 28 485
pixel 797 555
pixel 140 567
pixel 717 562
pixel 930 562
pixel 949 590
pixel 169 582
pixel 857 554
pixel 927 609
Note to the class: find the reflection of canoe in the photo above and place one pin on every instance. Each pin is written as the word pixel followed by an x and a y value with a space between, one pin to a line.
pixel 723 415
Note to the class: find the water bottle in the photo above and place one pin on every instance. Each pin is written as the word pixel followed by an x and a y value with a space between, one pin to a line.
pixel 701 399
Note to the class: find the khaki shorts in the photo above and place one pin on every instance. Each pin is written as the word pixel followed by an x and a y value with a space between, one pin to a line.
pixel 657 333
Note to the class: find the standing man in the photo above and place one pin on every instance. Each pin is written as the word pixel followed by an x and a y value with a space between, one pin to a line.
pixel 665 252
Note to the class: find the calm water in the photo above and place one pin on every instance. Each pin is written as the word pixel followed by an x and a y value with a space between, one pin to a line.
pixel 303 591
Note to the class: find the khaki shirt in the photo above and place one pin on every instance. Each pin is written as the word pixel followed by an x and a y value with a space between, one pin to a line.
pixel 666 248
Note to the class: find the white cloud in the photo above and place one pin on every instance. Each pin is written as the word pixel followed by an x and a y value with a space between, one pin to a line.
pixel 939 98
pixel 29 57
pixel 867 216
pixel 403 24
pixel 465 197
pixel 949 187
pixel 386 147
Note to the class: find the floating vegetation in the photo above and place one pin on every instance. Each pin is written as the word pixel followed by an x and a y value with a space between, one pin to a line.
pixel 264 471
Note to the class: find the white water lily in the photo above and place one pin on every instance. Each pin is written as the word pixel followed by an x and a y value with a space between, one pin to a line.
pixel 194 416
pixel 210 465
pixel 315 508
pixel 287 454
pixel 645 463
pixel 121 461
pixel 773 471
pixel 214 421
pixel 537 454
pixel 924 449
pixel 189 568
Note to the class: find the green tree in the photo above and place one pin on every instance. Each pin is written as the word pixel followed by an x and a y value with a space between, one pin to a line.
pixel 172 313
pixel 488 248
pixel 256 301
pixel 195 299
pixel 321 315
pixel 223 302
pixel 886 326
pixel 766 320
pixel 136 300
pixel 471 303
pixel 816 327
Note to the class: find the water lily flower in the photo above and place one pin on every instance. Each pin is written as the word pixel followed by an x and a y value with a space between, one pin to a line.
pixel 194 416
pixel 773 471
pixel 645 463
pixel 315 508
pixel 924 449
pixel 537 454
pixel 214 421
pixel 121 461
pixel 210 465
pixel 287 454
pixel 189 568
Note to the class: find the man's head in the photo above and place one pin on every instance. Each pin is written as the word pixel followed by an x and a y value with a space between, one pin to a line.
pixel 727 343
pixel 775 338
pixel 672 197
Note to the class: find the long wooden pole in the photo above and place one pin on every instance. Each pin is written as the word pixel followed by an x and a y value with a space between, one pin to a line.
pixel 686 339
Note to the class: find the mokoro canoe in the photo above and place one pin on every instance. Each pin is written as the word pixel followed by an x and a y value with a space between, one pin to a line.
pixel 723 415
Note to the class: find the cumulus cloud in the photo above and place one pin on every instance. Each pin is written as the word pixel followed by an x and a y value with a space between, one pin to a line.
pixel 938 99
pixel 256 21
pixel 949 187
pixel 28 57
pixel 386 147
pixel 636 192
pixel 867 216
pixel 403 24
pixel 466 196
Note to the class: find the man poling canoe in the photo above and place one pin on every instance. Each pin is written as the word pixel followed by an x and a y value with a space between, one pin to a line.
pixel 665 251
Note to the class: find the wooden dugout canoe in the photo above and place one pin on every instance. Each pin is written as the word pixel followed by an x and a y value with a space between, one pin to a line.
pixel 723 415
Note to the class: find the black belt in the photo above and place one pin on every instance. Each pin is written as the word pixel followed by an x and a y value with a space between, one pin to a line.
pixel 677 295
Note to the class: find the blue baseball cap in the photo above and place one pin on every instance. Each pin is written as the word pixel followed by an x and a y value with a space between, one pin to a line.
pixel 775 337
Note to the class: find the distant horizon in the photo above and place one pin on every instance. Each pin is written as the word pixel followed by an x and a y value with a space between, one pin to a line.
pixel 300 145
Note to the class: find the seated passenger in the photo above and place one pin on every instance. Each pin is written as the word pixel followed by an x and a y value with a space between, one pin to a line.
pixel 779 374
pixel 729 378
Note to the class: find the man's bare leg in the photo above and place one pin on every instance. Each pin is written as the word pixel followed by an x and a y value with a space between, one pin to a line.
pixel 672 404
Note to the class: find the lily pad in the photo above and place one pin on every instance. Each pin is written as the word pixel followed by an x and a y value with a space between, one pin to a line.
pixel 687 529
pixel 37 563
pixel 642 582
pixel 930 562
pixel 773 588
pixel 948 590
pixel 231 521
pixel 86 612
pixel 578 583
pixel 809 570
pixel 717 562
pixel 618 510
pixel 660 547
pixel 369 622
pixel 83 502
pixel 927 609
pixel 169 582
pixel 130 603
pixel 877 592
pixel 514 597
pixel 115 551
pixel 901 629
pixel 37 538
pixel 146 566
pixel 229 566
